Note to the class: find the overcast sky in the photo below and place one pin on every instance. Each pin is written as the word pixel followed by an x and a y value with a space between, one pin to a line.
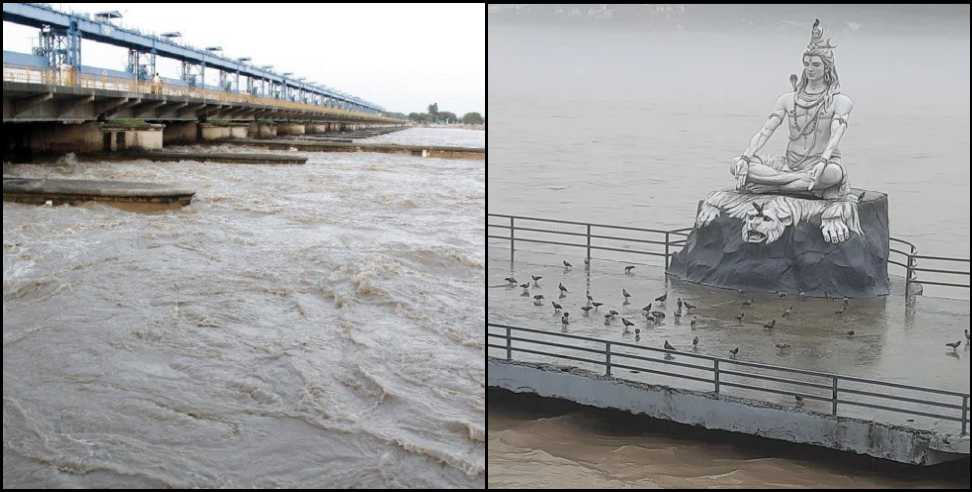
pixel 402 57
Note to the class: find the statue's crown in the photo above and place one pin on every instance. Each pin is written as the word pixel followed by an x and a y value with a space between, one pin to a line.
pixel 817 46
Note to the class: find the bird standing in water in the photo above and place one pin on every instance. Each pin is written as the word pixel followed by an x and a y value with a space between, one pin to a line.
pixel 787 311
pixel 564 320
pixel 770 325
pixel 734 352
pixel 627 269
pixel 563 290
pixel 741 316
pixel 557 307
pixel 586 309
pixel 668 346
pixel 626 295
pixel 567 265
pixel 536 280
pixel 695 343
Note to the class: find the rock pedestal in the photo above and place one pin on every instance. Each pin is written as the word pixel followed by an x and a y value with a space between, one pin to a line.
pixel 799 261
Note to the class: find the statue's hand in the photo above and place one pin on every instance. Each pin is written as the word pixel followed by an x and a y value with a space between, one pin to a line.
pixel 834 230
pixel 706 215
pixel 739 169
pixel 815 174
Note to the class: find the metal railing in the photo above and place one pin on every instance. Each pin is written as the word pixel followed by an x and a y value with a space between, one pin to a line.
pixel 665 238
pixel 837 395
pixel 67 77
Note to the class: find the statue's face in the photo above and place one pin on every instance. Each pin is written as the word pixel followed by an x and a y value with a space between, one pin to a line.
pixel 813 66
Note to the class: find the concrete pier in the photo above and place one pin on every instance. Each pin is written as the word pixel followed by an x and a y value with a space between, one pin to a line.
pixel 721 412
pixel 137 196
pixel 120 137
pixel 320 146
pixel 222 131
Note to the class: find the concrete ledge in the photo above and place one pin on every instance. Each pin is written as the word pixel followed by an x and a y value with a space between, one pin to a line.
pixel 722 412
pixel 222 157
pixel 320 146
pixel 73 191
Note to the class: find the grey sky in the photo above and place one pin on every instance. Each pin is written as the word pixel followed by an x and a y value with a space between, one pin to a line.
pixel 400 56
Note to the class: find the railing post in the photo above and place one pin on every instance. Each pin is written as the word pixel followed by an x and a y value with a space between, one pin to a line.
pixel 607 347
pixel 588 244
pixel 835 396
pixel 908 275
pixel 965 414
pixel 666 252
pixel 717 376
pixel 511 242
pixel 509 345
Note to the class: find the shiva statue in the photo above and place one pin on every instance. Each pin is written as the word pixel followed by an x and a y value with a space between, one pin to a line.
pixel 816 113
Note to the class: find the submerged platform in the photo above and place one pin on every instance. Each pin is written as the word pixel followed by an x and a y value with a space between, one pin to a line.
pixel 885 339
pixel 76 191
pixel 417 150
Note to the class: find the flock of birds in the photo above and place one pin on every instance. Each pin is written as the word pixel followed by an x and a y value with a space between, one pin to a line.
pixel 654 316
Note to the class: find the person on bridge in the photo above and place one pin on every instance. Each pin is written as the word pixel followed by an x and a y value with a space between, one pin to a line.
pixel 156 84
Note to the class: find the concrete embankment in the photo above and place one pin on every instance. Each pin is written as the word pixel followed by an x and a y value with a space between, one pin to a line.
pixel 722 412
pixel 128 195
pixel 418 150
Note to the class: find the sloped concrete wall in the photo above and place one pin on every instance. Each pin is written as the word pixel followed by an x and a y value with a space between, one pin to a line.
pixel 728 413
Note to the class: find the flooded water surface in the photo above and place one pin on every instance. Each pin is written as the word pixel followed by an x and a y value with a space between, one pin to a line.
pixel 297 326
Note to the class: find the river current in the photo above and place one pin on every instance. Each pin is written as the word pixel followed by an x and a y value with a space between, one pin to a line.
pixel 314 325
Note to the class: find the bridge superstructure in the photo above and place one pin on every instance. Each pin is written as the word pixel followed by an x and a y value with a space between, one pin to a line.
pixel 52 84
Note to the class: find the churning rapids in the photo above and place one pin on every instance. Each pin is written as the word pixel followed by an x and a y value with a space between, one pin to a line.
pixel 296 326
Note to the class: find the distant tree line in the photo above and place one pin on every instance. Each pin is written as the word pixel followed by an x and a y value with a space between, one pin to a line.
pixel 436 116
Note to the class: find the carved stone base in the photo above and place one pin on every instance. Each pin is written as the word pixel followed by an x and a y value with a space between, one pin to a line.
pixel 798 261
